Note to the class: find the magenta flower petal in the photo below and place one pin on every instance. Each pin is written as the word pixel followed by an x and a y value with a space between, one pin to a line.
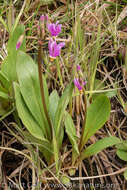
pixel 84 83
pixel 78 67
pixel 54 48
pixel 52 45
pixel 18 45
pixel 57 49
pixel 54 29
pixel 19 42
pixel 42 18
pixel 77 83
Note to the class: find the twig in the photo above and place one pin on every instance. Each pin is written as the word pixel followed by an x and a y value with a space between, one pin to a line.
pixel 98 176
pixel 90 177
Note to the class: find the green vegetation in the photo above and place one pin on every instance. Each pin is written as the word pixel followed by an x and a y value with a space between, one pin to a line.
pixel 63 102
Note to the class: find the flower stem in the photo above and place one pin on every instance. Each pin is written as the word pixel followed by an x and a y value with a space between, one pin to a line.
pixel 81 144
pixel 59 73
pixel 42 87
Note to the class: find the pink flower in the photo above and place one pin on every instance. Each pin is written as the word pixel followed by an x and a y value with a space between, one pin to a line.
pixel 43 18
pixel 54 29
pixel 19 42
pixel 18 45
pixel 54 48
pixel 78 67
pixel 79 84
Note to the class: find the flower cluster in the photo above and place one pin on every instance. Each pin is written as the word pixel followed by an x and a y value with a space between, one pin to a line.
pixel 54 48
pixel 54 29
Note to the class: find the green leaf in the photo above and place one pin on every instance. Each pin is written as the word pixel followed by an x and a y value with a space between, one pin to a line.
pixel 10 16
pixel 44 145
pixel 65 180
pixel 25 115
pixel 27 72
pixel 4 81
pixel 111 93
pixel 58 129
pixel 79 36
pixel 99 86
pixel 125 174
pixel 122 146
pixel 53 103
pixel 4 23
pixel 4 108
pixel 56 153
pixel 9 67
pixel 46 93
pixel 9 64
pixel 63 102
pixel 5 113
pixel 122 154
pixel 20 30
pixel 94 56
pixel 99 146
pixel 97 114
pixel 71 132
pixel 4 95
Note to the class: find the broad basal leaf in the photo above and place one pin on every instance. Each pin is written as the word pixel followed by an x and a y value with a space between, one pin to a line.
pixel 122 154
pixel 58 126
pixel 27 72
pixel 26 116
pixel 53 103
pixel 71 132
pixel 56 153
pixel 44 145
pixel 63 102
pixel 122 145
pixel 97 114
pixel 100 89
pixel 99 146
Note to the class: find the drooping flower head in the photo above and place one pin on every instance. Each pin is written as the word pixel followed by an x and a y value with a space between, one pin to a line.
pixel 79 84
pixel 19 42
pixel 54 48
pixel 54 29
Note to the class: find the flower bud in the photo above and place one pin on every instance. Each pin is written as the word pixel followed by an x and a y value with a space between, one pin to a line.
pixel 19 42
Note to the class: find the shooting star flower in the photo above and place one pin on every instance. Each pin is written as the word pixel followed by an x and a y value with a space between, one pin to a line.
pixel 54 29
pixel 54 48
pixel 79 84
